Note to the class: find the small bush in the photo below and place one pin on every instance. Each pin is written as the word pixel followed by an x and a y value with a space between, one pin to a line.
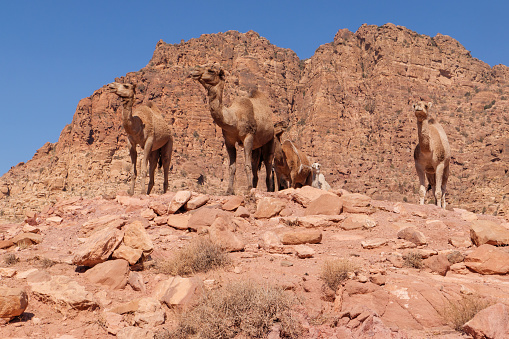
pixel 201 255
pixel 459 312
pixel 334 272
pixel 11 259
pixel 239 310
pixel 413 259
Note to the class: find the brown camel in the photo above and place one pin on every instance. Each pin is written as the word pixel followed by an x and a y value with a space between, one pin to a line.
pixel 145 127
pixel 248 122
pixel 291 165
pixel 432 154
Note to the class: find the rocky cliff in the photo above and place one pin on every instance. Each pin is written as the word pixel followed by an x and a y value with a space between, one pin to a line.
pixel 348 107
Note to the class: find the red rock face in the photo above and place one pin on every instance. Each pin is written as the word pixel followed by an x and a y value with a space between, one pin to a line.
pixel 348 107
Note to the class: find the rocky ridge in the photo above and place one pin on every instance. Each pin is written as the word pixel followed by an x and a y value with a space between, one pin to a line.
pixel 348 107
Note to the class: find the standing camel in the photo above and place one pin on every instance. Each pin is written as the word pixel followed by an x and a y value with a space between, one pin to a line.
pixel 145 127
pixel 248 122
pixel 432 155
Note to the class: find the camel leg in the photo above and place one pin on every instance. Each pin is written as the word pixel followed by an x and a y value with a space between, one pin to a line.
pixel 439 175
pixel 255 164
pixel 152 161
pixel 232 155
pixel 422 183
pixel 248 152
pixel 166 151
pixel 134 158
pixel 444 184
pixel 268 158
pixel 147 150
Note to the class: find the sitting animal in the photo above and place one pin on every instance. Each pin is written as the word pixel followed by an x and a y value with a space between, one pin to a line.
pixel 291 166
pixel 318 180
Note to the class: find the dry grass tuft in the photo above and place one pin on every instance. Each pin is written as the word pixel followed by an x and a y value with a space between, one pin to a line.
pixel 334 272
pixel 459 312
pixel 413 259
pixel 201 255
pixel 239 310
pixel 11 259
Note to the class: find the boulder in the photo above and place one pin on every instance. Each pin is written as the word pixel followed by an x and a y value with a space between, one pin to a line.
pixel 268 207
pixel 357 221
pixel 301 237
pixel 179 221
pixel 325 204
pixel 63 290
pixel 306 194
pixel 269 241
pixel 13 302
pixel 136 236
pixel 27 238
pixel 357 203
pixel 92 225
pixel 221 234
pixel 135 280
pixel 492 322
pixel 98 247
pixel 488 232
pixel 232 203
pixel 438 263
pixel 488 259
pixel 132 255
pixel 112 274
pixel 149 313
pixel 410 233
pixel 196 202
pixel 179 200
pixel 179 291
pixel 303 251
pixel 204 217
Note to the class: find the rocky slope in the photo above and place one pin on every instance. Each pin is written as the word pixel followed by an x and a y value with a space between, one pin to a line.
pixel 279 239
pixel 348 108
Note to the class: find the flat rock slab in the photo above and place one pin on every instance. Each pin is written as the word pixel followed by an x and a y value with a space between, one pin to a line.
pixel 112 274
pixel 488 232
pixel 488 259
pixel 301 237
pixel 63 290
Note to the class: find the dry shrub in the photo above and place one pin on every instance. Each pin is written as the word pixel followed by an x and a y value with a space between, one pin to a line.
pixel 459 312
pixel 201 255
pixel 334 272
pixel 11 259
pixel 413 259
pixel 239 309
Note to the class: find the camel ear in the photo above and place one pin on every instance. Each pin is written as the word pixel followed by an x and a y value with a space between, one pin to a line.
pixel 429 105
pixel 134 88
pixel 221 74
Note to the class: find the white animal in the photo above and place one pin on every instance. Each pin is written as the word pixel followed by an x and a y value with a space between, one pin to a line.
pixel 318 178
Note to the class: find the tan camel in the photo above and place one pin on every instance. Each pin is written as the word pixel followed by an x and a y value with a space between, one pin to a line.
pixel 145 127
pixel 248 122
pixel 432 155
pixel 291 165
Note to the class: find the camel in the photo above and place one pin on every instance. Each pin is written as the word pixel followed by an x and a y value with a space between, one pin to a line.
pixel 290 164
pixel 318 178
pixel 145 127
pixel 432 155
pixel 248 122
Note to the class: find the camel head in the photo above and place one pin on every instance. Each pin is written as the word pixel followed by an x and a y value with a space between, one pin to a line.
pixel 209 74
pixel 122 90
pixel 315 167
pixel 279 128
pixel 421 109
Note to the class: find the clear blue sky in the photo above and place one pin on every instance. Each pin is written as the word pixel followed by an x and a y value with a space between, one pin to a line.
pixel 54 53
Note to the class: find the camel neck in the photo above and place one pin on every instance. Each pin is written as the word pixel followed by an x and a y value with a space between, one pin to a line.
pixel 423 131
pixel 127 114
pixel 215 94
